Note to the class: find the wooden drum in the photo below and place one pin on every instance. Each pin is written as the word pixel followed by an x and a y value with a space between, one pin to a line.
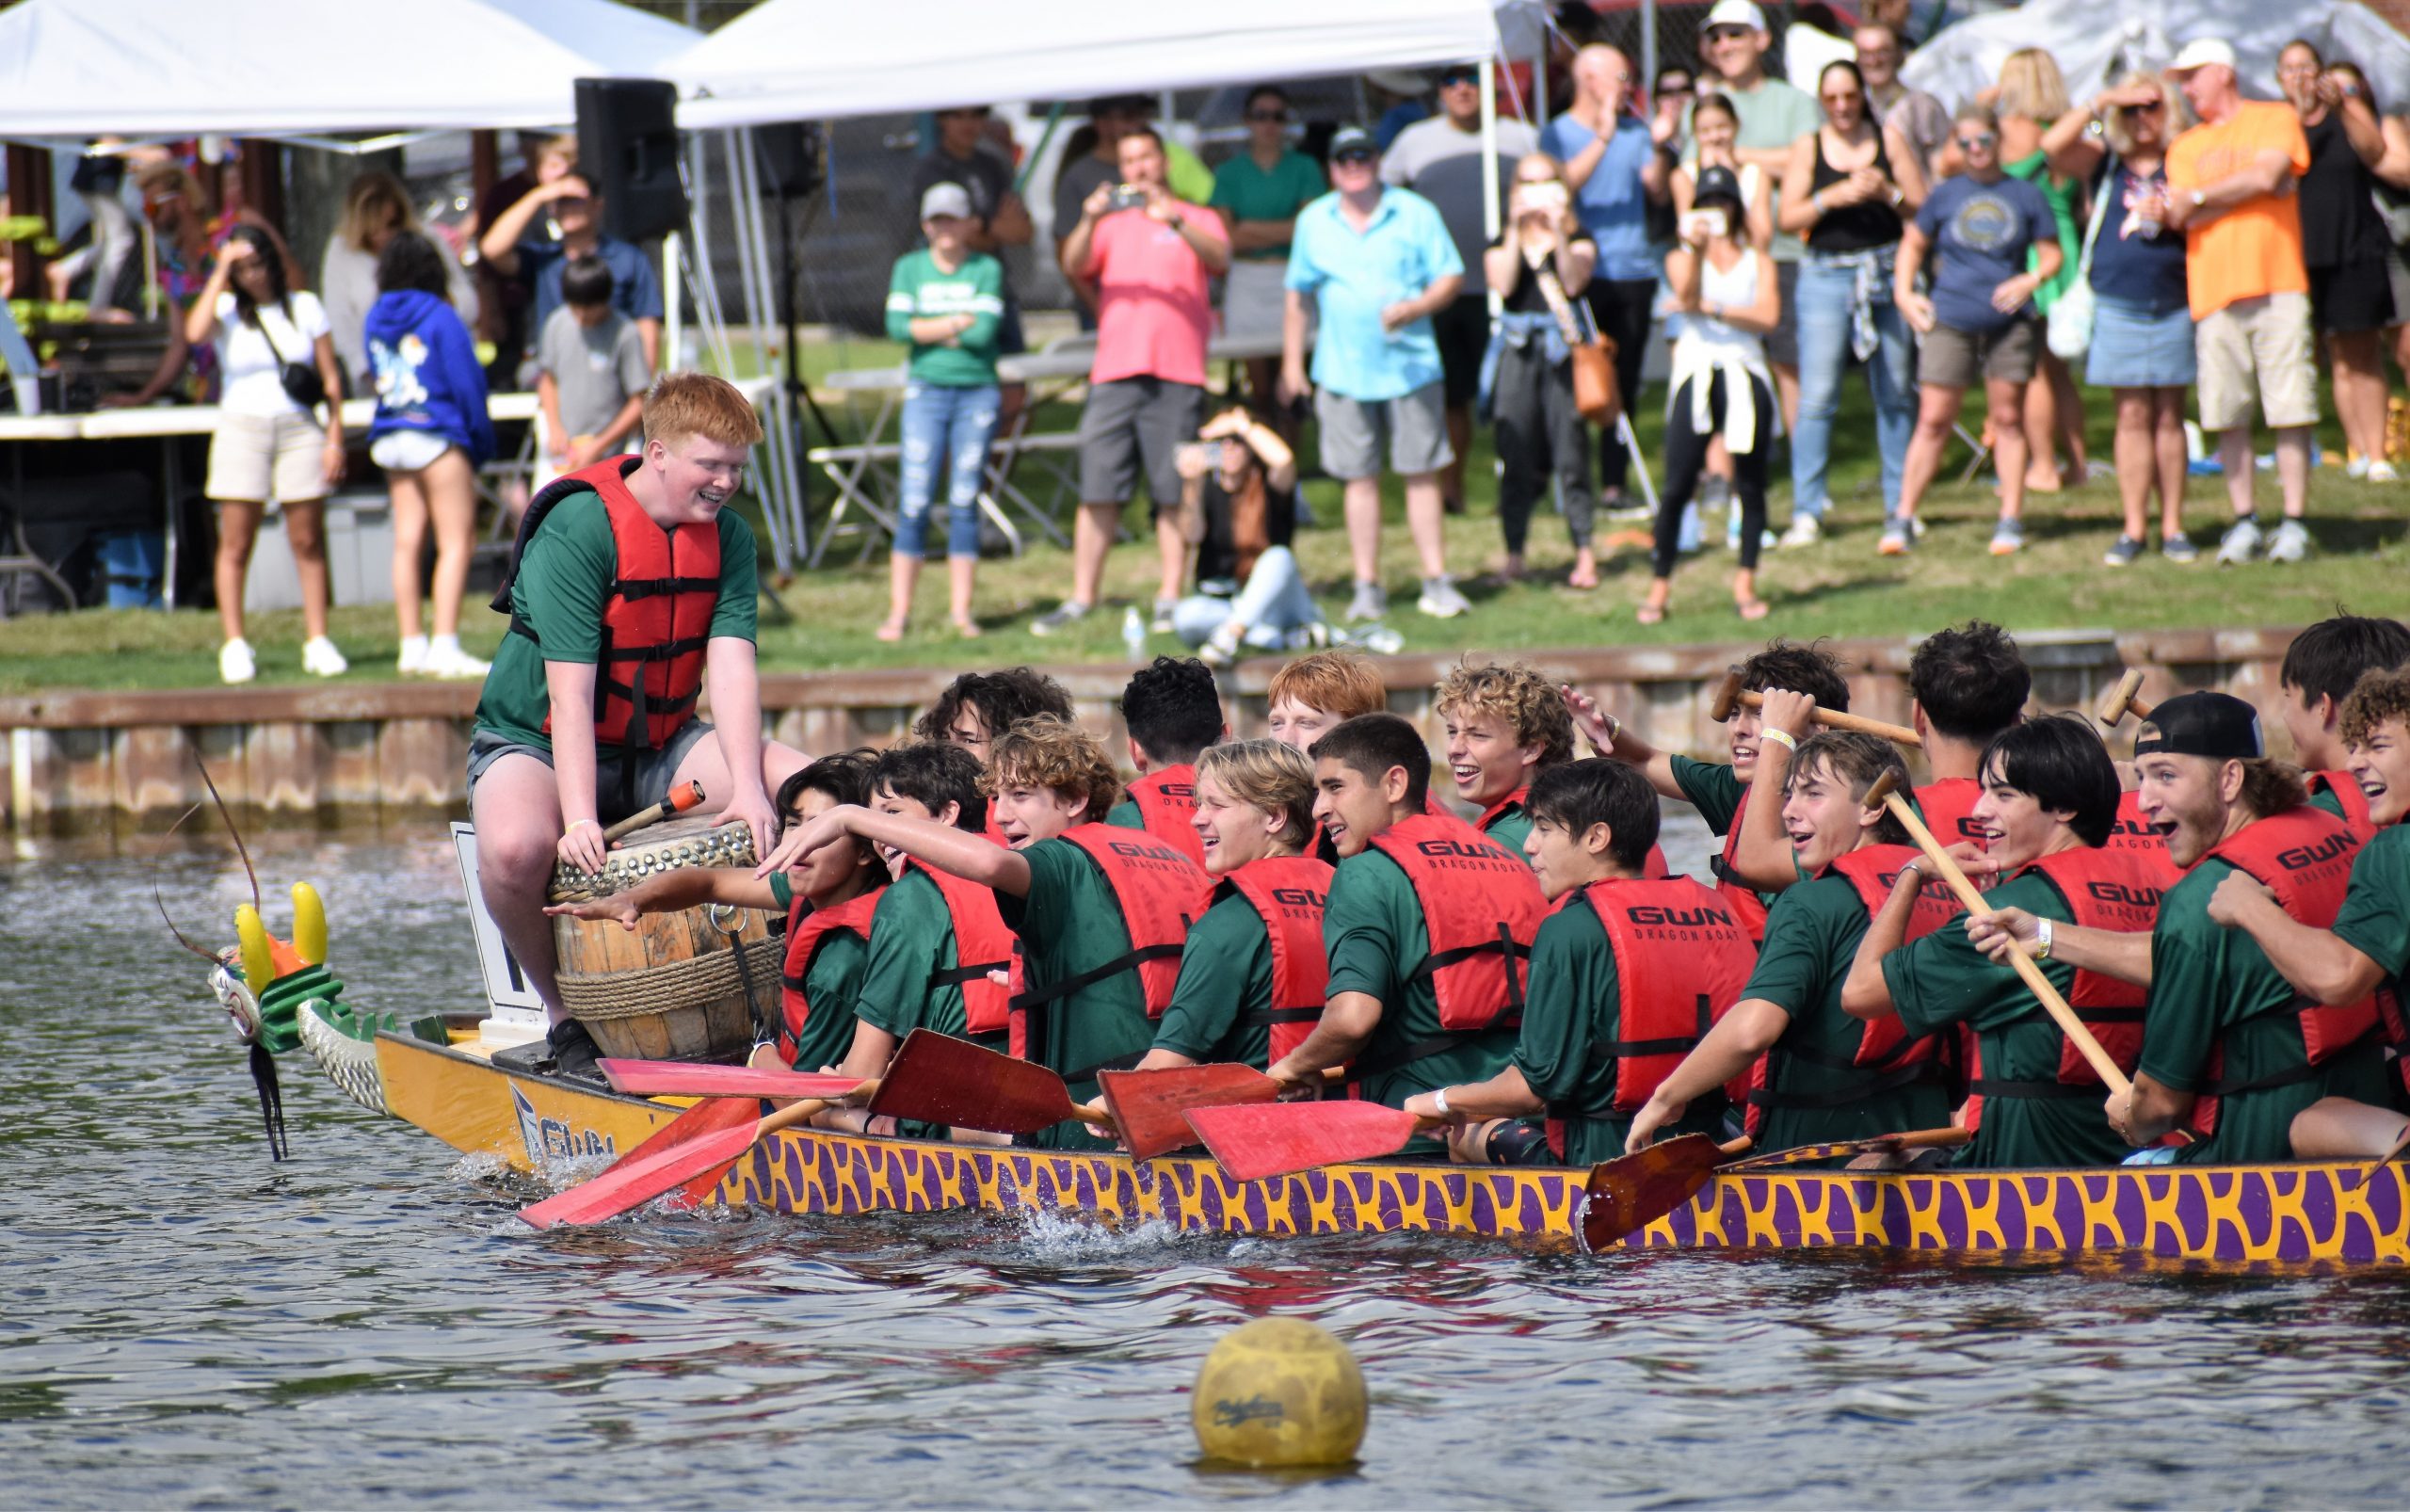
pixel 681 985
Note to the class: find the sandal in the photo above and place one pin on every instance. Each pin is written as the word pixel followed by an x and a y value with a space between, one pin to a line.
pixel 1753 608
pixel 1650 613
pixel 967 629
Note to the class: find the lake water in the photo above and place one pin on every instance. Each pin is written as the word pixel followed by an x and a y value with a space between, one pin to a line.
pixel 183 1323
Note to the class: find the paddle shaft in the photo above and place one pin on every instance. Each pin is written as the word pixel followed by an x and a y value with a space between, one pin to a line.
pixel 2026 966
pixel 1835 719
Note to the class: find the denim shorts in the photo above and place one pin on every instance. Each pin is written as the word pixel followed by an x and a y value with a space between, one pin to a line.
pixel 2133 348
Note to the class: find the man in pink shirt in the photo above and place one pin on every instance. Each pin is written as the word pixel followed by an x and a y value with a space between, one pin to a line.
pixel 1151 256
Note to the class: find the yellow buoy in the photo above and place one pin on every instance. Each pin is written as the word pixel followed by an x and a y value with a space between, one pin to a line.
pixel 308 924
pixel 1280 1392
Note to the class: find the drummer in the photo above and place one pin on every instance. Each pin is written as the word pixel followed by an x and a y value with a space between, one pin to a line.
pixel 588 713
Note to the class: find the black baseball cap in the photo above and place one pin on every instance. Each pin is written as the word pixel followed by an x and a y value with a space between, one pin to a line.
pixel 1720 184
pixel 2217 725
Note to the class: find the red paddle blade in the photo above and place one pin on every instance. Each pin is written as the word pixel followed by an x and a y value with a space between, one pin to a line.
pixel 1275 1138
pixel 641 1177
pixel 1150 1108
pixel 684 1078
pixel 1631 1192
pixel 705 1118
pixel 938 1078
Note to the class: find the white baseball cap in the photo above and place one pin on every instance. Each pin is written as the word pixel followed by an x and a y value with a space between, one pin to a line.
pixel 1736 13
pixel 2201 53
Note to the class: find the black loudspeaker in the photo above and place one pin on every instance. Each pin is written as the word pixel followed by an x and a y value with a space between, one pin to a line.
pixel 627 148
pixel 790 157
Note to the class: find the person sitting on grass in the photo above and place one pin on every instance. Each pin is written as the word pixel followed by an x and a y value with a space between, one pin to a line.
pixel 1101 913
pixel 829 899
pixel 1428 927
pixel 2321 667
pixel 2368 944
pixel 1754 863
pixel 1969 684
pixel 1238 507
pixel 1253 977
pixel 1815 1073
pixel 1626 975
pixel 2043 805
pixel 1172 711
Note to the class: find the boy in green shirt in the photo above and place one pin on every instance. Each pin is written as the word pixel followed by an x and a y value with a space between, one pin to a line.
pixel 1814 1086
pixel 1506 725
pixel 1172 710
pixel 1581 1055
pixel 2321 667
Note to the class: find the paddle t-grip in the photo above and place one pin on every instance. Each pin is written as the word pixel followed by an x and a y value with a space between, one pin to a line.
pixel 2122 698
pixel 682 798
pixel 1730 694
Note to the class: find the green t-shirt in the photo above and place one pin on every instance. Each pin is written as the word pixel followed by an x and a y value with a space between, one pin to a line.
pixel 1225 978
pixel 921 290
pixel 911 942
pixel 1715 791
pixel 1941 981
pixel 1812 930
pixel 2212 986
pixel 831 984
pixel 2375 919
pixel 1243 190
pixel 1510 827
pixel 564 579
pixel 1575 1001
pixel 1125 815
pixel 2329 800
pixel 1373 931
pixel 1069 923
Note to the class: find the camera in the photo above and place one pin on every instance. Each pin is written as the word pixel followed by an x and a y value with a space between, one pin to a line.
pixel 1706 225
pixel 1127 197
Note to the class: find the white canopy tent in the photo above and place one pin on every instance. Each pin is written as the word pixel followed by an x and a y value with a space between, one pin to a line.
pixel 72 69
pixel 2095 39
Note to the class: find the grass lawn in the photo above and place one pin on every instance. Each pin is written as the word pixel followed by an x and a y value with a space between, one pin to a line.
pixel 1840 588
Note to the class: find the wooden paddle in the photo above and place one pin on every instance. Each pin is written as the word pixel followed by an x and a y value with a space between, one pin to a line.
pixel 1730 694
pixel 1276 1138
pixel 1884 791
pixel 683 1078
pixel 1890 1144
pixel 2121 699
pixel 657 1166
pixel 1629 1193
pixel 682 798
pixel 938 1078
pixel 1150 1108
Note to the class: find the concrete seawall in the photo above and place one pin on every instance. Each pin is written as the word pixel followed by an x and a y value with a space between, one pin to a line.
pixel 353 753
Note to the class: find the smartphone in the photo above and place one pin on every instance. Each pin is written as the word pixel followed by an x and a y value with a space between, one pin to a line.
pixel 1706 225
pixel 1542 196
pixel 1127 197
pixel 1212 450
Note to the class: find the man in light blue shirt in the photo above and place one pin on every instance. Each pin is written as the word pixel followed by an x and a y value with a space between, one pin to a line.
pixel 1378 262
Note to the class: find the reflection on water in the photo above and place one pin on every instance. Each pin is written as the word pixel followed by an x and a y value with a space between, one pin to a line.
pixel 366 1324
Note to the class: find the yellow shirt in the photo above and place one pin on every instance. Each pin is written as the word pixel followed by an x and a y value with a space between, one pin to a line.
pixel 2254 247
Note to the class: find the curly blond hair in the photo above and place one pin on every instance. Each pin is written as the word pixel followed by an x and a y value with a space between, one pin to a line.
pixel 1267 774
pixel 2378 698
pixel 1045 751
pixel 1529 704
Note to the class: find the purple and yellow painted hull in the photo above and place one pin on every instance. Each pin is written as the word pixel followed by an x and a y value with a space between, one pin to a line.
pixel 2309 1215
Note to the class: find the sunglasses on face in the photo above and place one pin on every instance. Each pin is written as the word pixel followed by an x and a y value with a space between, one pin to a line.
pixel 1267 115
pixel 2155 107
pixel 1979 140
pixel 1455 81
pixel 1353 158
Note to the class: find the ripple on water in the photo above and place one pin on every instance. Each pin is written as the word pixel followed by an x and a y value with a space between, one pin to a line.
pixel 370 1323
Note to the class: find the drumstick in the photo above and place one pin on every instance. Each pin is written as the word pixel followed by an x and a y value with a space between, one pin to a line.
pixel 2122 698
pixel 1732 694
pixel 682 798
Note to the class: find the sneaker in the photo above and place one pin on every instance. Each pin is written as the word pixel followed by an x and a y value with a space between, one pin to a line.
pixel 2179 548
pixel 1370 602
pixel 1314 636
pixel 2381 470
pixel 320 658
pixel 2242 539
pixel 452 662
pixel 1440 600
pixel 1899 534
pixel 571 1052
pixel 2123 553
pixel 1161 625
pixel 2008 538
pixel 236 663
pixel 2356 468
pixel 1806 530
pixel 1221 647
pixel 1618 512
pixel 1059 618
pixel 2291 542
pixel 412 660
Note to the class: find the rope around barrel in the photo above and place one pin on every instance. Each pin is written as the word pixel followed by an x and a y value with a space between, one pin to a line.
pixel 672 984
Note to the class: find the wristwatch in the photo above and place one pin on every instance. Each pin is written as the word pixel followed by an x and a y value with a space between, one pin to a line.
pixel 2200 201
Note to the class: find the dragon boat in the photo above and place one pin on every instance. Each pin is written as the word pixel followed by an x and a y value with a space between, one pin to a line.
pixel 439 1073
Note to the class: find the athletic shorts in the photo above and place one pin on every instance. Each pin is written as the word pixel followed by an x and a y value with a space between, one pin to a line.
pixel 1413 427
pixel 1462 330
pixel 1133 427
pixel 615 796
pixel 2257 347
pixel 1961 359
pixel 255 458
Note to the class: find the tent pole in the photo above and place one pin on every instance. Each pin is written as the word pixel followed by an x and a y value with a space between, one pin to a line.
pixel 673 325
pixel 1649 49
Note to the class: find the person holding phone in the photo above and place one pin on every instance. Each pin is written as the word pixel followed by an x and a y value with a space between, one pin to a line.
pixel 1543 260
pixel 1726 297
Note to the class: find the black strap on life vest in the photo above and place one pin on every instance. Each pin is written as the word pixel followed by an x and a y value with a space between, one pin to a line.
pixel 1267 1017
pixel 1603 1051
pixel 1505 944
pixel 1127 962
pixel 1891 1081
pixel 1118 1063
pixel 1370 1065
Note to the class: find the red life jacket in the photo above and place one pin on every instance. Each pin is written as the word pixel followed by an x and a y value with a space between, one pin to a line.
pixel 982 943
pixel 1481 910
pixel 1949 806
pixel 2356 816
pixel 2132 833
pixel 1159 892
pixel 1745 905
pixel 656 617
pixel 1886 1057
pixel 808 929
pixel 2104 888
pixel 1167 803
pixel 1653 868
pixel 2304 856
pixel 1682 960
pixel 1288 893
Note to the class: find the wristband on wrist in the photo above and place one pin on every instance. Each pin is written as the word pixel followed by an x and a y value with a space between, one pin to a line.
pixel 1780 738
pixel 1439 1101
pixel 2042 940
pixel 574 823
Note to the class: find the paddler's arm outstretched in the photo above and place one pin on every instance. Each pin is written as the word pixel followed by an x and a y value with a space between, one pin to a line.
pixel 2319 963
pixel 1730 1048
pixel 1865 993
pixel 955 852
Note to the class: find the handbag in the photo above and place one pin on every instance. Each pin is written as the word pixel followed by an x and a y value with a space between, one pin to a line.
pixel 1597 396
pixel 302 382
pixel 2070 318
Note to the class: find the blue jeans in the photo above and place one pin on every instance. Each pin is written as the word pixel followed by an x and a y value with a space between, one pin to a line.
pixel 1274 603
pixel 955 424
pixel 1824 358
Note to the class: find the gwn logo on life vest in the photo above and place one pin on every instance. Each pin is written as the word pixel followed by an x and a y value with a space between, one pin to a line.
pixel 1299 897
pixel 1444 850
pixel 1141 851
pixel 1177 790
pixel 2118 894
pixel 1679 918
pixel 2302 857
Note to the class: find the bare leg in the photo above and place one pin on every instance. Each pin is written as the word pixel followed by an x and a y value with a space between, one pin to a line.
pixel 2010 433
pixel 1422 513
pixel 2167 431
pixel 962 574
pixel 2234 455
pixel 1091 540
pixel 2292 469
pixel 2358 364
pixel 2135 449
pixel 903 575
pixel 1936 412
pixel 451 486
pixel 516 808
pixel 1363 507
pixel 2070 401
pixel 408 494
pixel 2337 1128
pixel 305 531
pixel 1173 548
pixel 2040 420
pixel 239 526
pixel 1786 393
pixel 704 763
